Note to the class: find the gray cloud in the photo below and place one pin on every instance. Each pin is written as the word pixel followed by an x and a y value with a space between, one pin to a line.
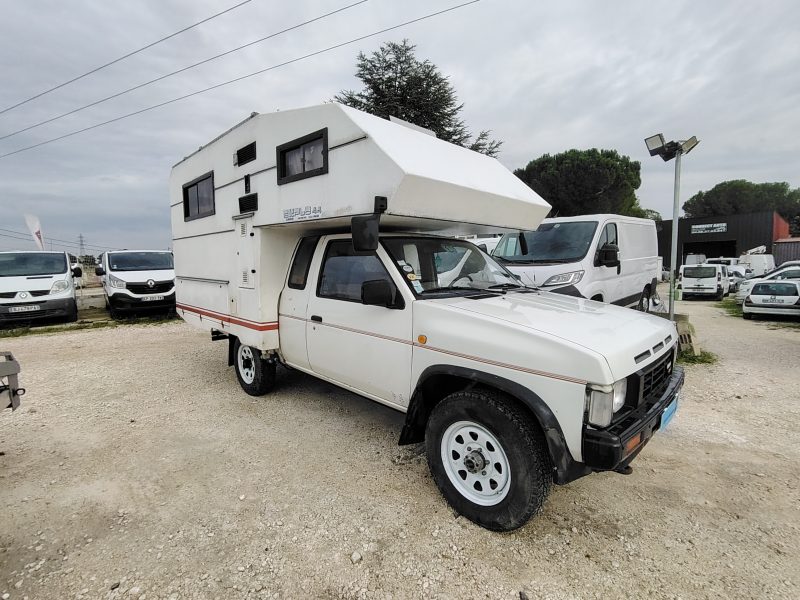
pixel 544 78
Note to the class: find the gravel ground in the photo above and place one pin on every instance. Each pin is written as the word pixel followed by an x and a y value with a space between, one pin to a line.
pixel 138 468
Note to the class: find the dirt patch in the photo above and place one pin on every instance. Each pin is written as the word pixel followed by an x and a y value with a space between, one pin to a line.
pixel 137 463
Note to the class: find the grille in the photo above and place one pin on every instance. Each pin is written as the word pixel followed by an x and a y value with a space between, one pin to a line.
pixel 246 154
pixel 248 203
pixel 142 288
pixel 654 381
pixel 7 294
pixel 37 293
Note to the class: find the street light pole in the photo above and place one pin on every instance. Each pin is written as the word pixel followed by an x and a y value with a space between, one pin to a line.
pixel 673 264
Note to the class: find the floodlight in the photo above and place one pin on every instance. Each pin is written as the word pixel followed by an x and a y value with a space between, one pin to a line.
pixel 687 146
pixel 655 143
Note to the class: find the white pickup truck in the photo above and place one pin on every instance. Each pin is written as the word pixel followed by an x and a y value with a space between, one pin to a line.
pixel 510 387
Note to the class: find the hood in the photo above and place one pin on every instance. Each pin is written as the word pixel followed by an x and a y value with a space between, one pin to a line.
pixel 616 335
pixel 30 283
pixel 143 276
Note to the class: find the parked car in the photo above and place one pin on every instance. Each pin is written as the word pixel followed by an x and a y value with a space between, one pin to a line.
pixel 37 285
pixel 734 279
pixel 773 298
pixel 608 258
pixel 704 280
pixel 784 272
pixel 137 280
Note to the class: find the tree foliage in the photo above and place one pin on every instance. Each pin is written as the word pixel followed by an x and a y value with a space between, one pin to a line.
pixel 580 182
pixel 740 196
pixel 397 84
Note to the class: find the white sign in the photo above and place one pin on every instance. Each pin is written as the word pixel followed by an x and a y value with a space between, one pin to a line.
pixel 710 228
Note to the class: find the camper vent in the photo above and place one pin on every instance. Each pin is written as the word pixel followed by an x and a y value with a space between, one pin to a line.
pixel 245 155
pixel 248 203
pixel 245 277
pixel 243 228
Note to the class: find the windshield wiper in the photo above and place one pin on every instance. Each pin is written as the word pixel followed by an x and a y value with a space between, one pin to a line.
pixel 505 286
pixel 454 289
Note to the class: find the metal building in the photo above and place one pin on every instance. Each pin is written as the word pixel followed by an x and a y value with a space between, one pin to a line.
pixel 722 236
pixel 786 249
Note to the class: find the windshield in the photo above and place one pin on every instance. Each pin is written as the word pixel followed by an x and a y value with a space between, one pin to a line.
pixel 550 243
pixel 431 265
pixel 140 261
pixel 18 264
pixel 700 272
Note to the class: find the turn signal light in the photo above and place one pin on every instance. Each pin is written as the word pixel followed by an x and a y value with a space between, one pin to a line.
pixel 632 443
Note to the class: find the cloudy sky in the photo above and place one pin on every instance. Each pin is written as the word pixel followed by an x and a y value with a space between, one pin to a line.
pixel 543 76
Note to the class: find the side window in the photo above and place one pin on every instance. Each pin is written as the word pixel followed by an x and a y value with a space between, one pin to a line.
pixel 791 274
pixel 198 197
pixel 343 272
pixel 304 157
pixel 610 232
pixel 302 263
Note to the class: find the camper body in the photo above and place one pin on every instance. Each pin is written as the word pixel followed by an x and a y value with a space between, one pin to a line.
pixel 276 252
pixel 36 285
pixel 608 258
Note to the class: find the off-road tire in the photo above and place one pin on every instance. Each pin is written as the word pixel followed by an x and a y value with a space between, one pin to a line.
pixel 521 439
pixel 263 378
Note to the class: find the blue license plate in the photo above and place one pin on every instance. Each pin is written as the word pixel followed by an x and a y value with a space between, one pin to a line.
pixel 669 412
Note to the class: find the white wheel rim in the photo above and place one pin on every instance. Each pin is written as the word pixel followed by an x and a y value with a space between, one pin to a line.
pixel 247 364
pixel 475 463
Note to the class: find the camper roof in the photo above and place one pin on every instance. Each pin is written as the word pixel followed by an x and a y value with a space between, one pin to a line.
pixel 430 184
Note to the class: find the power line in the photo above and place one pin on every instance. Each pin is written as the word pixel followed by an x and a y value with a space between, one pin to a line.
pixel 192 66
pixel 26 236
pixel 230 81
pixel 128 55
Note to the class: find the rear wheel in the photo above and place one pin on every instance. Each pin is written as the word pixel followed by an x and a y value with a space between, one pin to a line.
pixel 644 300
pixel 255 375
pixel 488 458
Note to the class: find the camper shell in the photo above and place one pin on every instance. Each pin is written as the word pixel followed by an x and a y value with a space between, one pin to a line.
pixel 323 239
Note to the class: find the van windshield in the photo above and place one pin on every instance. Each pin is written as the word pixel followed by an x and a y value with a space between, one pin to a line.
pixel 550 243
pixel 700 272
pixel 20 264
pixel 140 261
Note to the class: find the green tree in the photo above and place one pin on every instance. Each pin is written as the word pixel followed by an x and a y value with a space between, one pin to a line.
pixel 740 196
pixel 649 213
pixel 580 182
pixel 397 84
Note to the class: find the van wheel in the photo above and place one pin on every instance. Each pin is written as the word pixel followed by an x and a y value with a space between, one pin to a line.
pixel 255 375
pixel 73 313
pixel 644 300
pixel 488 458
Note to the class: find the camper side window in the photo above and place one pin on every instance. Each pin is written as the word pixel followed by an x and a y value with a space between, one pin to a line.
pixel 198 197
pixel 302 263
pixel 343 272
pixel 304 157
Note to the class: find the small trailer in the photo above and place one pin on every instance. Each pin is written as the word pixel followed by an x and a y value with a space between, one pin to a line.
pixel 323 239
pixel 9 382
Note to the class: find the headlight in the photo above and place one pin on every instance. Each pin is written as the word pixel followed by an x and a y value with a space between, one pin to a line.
pixel 59 286
pixel 604 400
pixel 116 282
pixel 564 279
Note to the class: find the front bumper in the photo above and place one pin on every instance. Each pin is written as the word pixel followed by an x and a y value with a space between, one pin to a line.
pixel 48 309
pixel 615 447
pixel 127 302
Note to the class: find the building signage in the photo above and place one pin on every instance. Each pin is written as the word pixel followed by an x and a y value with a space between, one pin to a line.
pixel 710 228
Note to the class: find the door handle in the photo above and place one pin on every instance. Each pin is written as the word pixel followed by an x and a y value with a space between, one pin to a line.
pixel 316 318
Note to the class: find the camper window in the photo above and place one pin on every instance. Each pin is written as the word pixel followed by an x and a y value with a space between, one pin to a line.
pixel 304 157
pixel 198 197
pixel 344 272
pixel 302 262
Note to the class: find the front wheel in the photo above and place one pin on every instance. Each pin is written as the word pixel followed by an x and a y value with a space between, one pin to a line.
pixel 255 375
pixel 644 300
pixel 488 459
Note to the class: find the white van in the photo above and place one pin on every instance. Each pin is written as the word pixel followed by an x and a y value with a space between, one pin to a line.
pixel 610 258
pixel 37 285
pixel 760 264
pixel 704 280
pixel 136 280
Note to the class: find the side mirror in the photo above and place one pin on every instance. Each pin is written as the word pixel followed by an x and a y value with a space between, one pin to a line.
pixel 77 272
pixel 484 248
pixel 377 292
pixel 608 256
pixel 365 233
pixel 99 271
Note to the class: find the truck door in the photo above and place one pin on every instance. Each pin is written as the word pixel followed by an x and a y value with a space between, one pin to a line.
pixel 366 348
